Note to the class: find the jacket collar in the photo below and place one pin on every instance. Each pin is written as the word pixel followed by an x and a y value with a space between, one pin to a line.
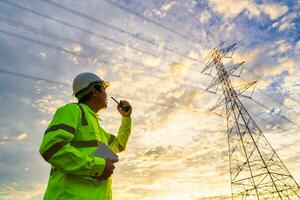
pixel 86 107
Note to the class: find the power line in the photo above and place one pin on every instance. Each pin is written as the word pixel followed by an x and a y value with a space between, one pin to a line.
pixel 123 44
pixel 175 32
pixel 32 77
pixel 61 83
pixel 85 56
pixel 110 26
pixel 153 22
pixel 47 45
pixel 256 115
pixel 79 28
pixel 219 78
pixel 261 77
pixel 59 37
pixel 245 138
pixel 71 26
pixel 285 118
pixel 95 20
pixel 103 23
pixel 73 42
pixel 67 84
pixel 161 77
pixel 272 123
pixel 281 116
pixel 50 35
pixel 268 95
pixel 53 36
pixel 264 106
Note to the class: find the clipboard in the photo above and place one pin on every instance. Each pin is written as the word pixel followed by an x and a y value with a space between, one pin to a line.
pixel 104 151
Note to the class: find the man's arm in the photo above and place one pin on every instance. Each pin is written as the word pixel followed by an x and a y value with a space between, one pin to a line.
pixel 56 149
pixel 118 143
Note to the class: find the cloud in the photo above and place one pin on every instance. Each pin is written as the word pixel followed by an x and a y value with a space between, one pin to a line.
pixel 287 22
pixel 221 197
pixel 249 55
pixel 283 64
pixel 140 191
pixel 152 62
pixel 174 99
pixel 22 193
pixel 282 46
pixel 232 8
pixel 162 11
pixel 48 104
pixel 76 49
pixel 297 45
pixel 268 59
pixel 44 122
pixel 289 102
pixel 167 6
pixel 205 16
pixel 43 55
pixel 177 67
pixel 274 10
pixel 22 136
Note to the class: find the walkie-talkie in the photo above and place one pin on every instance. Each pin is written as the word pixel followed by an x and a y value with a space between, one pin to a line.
pixel 124 108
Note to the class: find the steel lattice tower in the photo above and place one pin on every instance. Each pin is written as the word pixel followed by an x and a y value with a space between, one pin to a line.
pixel 256 171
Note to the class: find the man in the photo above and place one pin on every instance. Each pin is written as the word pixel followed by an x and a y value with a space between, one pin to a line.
pixel 73 136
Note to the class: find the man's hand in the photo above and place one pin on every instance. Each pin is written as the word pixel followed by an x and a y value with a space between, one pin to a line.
pixel 122 106
pixel 108 170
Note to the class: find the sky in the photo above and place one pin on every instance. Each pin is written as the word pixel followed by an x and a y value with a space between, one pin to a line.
pixel 153 58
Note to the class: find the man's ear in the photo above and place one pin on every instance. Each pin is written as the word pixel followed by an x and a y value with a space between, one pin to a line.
pixel 94 93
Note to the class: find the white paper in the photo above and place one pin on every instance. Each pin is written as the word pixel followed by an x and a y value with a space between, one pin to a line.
pixel 104 151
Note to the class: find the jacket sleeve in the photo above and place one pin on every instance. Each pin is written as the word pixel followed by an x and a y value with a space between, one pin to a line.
pixel 118 143
pixel 56 149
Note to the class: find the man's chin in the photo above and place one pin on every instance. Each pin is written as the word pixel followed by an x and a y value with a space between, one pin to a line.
pixel 103 105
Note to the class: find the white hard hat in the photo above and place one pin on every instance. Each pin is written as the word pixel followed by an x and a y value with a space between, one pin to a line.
pixel 84 83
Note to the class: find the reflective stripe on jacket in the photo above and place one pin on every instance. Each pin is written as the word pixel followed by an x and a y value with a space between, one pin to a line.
pixel 71 137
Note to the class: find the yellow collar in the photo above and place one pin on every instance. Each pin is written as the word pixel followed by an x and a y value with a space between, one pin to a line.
pixel 91 111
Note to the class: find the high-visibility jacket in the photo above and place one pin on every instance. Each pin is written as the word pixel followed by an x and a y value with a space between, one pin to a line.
pixel 68 143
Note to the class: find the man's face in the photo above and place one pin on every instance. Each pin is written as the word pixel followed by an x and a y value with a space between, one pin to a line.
pixel 101 97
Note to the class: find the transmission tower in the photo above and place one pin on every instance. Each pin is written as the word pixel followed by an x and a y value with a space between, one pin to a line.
pixel 256 171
